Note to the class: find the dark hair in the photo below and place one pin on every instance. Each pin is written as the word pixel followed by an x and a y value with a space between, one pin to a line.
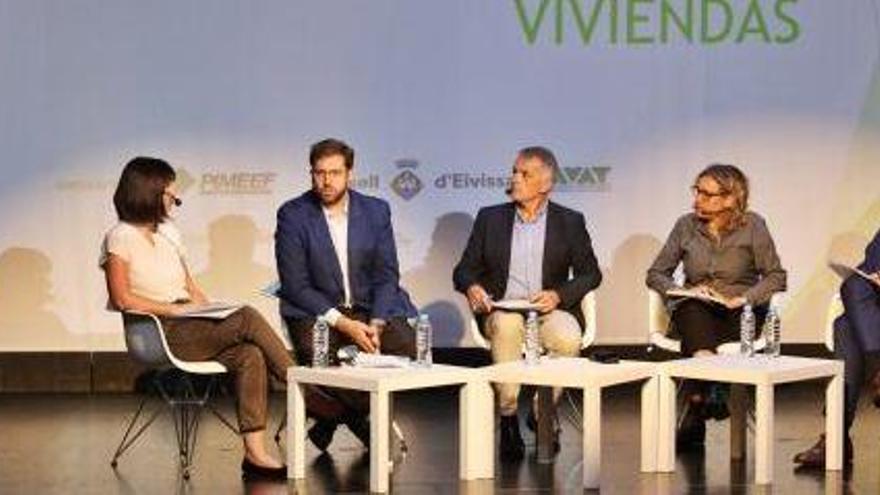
pixel 331 147
pixel 732 181
pixel 541 153
pixel 139 193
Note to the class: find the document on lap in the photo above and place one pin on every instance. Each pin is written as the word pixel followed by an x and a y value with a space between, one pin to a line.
pixel 514 305
pixel 214 310
pixel 367 360
pixel 692 294
pixel 843 271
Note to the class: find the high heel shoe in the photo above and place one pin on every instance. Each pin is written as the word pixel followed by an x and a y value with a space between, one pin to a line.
pixel 254 472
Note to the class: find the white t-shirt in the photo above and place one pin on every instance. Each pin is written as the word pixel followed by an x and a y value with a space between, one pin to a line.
pixel 155 268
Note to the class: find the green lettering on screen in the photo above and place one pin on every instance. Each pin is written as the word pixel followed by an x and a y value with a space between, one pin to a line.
pixel 706 35
pixel 658 22
pixel 613 22
pixel 794 28
pixel 531 29
pixel 586 30
pixel 754 23
pixel 685 25
pixel 633 19
pixel 559 23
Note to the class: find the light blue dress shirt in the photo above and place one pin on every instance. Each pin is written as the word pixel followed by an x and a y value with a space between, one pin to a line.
pixel 526 255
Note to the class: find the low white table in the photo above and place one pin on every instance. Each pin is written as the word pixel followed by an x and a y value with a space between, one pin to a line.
pixel 475 413
pixel 764 373
pixel 591 378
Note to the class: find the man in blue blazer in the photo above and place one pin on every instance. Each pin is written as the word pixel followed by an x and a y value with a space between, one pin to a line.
pixel 534 249
pixel 856 335
pixel 336 258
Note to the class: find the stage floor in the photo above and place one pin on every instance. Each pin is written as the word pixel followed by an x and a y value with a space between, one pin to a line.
pixel 63 444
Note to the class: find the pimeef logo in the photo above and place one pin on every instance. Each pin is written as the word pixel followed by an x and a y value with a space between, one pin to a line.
pixel 658 22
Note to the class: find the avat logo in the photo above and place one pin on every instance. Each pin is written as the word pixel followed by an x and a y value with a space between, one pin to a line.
pixel 407 184
pixel 582 179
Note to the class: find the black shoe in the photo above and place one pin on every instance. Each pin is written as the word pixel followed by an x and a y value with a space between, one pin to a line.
pixel 512 447
pixel 814 457
pixel 691 433
pixel 359 425
pixel 321 433
pixel 253 472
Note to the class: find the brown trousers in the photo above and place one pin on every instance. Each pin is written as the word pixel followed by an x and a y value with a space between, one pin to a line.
pixel 248 347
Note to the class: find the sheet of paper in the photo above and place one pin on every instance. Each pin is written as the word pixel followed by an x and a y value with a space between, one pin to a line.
pixel 214 310
pixel 685 293
pixel 515 305
pixel 843 271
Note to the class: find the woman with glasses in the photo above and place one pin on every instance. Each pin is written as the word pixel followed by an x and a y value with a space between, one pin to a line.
pixel 146 270
pixel 729 260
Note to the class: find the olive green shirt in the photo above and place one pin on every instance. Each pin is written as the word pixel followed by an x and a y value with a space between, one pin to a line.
pixel 742 262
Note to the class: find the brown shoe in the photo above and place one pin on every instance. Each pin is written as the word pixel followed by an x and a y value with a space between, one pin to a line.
pixel 814 457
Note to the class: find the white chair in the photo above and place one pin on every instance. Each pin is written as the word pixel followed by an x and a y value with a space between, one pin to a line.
pixel 146 344
pixel 835 309
pixel 658 327
pixel 588 309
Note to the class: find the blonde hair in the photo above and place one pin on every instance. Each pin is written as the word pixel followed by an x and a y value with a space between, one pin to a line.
pixel 734 182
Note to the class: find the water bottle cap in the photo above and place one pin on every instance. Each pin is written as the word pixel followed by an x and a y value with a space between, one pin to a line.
pixel 423 317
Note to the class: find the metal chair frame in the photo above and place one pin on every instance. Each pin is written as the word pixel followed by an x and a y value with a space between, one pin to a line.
pixel 145 341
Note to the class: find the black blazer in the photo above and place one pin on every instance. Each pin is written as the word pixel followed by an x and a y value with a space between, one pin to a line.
pixel 569 265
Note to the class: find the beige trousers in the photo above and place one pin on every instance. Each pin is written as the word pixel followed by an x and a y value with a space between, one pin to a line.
pixel 559 333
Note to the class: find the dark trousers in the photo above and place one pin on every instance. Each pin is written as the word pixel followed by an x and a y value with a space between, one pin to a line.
pixel 856 335
pixel 251 351
pixel 705 326
pixel 398 338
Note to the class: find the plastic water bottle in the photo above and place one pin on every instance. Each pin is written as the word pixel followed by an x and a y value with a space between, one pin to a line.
pixel 320 343
pixel 747 331
pixel 424 341
pixel 773 333
pixel 533 344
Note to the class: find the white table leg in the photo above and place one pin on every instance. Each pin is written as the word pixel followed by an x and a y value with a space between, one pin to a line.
pixel 379 428
pixel 296 431
pixel 476 432
pixel 739 413
pixel 666 429
pixel 834 423
pixel 592 440
pixel 764 434
pixel 650 424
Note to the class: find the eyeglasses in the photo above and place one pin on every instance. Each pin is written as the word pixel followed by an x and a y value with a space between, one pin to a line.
pixel 174 199
pixel 697 191
pixel 332 174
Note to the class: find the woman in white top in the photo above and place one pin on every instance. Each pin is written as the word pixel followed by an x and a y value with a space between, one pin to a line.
pixel 145 267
